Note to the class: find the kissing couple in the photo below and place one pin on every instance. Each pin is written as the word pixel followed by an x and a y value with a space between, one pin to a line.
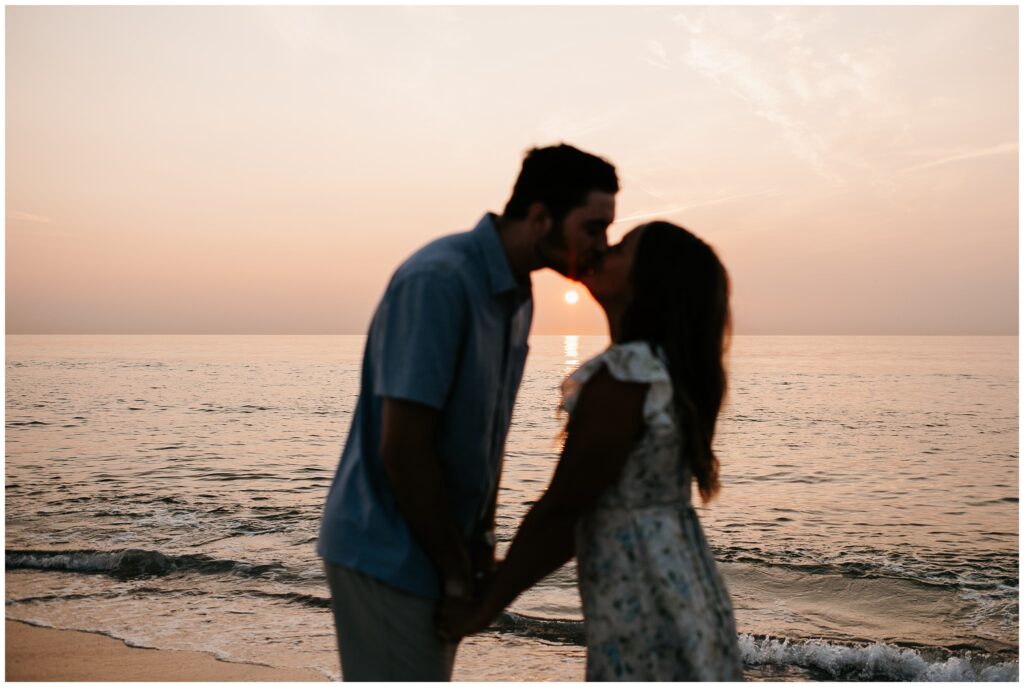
pixel 407 534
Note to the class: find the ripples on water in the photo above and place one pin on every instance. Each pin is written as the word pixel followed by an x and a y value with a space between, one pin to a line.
pixel 167 490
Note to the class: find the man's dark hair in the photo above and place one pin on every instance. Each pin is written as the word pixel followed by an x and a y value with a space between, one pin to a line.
pixel 560 177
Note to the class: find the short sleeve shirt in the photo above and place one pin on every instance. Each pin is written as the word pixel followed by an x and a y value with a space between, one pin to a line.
pixel 450 333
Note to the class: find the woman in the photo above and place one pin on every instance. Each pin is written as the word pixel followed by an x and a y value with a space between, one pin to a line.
pixel 641 422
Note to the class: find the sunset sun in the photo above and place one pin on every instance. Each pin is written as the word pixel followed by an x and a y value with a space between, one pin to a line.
pixel 571 297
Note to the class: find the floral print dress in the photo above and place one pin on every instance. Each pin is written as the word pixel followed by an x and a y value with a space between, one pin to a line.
pixel 654 604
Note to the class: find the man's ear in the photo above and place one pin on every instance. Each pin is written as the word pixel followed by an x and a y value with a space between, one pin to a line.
pixel 538 218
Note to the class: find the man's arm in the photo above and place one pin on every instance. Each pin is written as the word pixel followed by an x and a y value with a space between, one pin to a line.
pixel 408 440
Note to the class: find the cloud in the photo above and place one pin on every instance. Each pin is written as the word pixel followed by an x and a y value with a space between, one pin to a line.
pixel 736 67
pixel 656 55
pixel 742 75
pixel 1000 149
pixel 787 67
pixel 29 217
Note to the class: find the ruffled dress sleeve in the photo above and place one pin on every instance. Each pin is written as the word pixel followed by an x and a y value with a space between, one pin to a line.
pixel 629 362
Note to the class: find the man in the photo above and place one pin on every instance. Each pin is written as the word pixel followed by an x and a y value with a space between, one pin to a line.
pixel 409 519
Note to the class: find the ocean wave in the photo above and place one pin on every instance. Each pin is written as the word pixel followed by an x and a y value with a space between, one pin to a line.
pixel 308 600
pixel 134 563
pixel 825 660
pixel 996 575
pixel 984 591
pixel 552 630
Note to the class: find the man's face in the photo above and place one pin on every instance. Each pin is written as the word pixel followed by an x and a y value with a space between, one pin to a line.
pixel 576 246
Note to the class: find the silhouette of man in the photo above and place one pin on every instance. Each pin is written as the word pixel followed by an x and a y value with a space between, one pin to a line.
pixel 409 519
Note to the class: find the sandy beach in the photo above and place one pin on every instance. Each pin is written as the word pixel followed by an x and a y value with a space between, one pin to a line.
pixel 47 655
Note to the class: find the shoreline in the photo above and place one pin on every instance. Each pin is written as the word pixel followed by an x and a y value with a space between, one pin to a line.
pixel 45 654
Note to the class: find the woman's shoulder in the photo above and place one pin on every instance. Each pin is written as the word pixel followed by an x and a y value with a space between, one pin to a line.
pixel 633 361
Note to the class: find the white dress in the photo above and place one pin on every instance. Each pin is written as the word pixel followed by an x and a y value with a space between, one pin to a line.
pixel 654 604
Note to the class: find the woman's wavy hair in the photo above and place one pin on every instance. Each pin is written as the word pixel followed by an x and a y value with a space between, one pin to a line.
pixel 680 306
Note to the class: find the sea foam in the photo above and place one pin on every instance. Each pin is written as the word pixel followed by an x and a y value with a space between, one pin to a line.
pixel 872 662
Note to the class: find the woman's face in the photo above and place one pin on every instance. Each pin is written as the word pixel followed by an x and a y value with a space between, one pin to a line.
pixel 610 279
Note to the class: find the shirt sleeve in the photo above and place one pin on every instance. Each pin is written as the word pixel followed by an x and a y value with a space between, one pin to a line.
pixel 418 334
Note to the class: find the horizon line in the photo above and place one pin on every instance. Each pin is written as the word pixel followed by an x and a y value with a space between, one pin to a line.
pixel 532 334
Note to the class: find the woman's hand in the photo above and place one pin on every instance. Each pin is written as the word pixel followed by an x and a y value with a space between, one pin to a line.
pixel 457 618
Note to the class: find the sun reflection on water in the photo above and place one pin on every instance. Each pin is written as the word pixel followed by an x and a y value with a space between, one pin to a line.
pixel 572 351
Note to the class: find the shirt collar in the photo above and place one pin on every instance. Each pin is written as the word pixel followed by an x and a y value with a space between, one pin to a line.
pixel 499 272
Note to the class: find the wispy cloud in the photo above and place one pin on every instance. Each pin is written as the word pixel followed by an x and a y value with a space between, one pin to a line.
pixel 1001 149
pixel 656 55
pixel 780 64
pixel 29 217
pixel 740 74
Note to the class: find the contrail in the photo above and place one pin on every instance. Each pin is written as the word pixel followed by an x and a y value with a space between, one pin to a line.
pixel 29 217
pixel 983 152
pixel 714 201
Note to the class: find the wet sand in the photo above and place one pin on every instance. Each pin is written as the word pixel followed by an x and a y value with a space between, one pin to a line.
pixel 49 655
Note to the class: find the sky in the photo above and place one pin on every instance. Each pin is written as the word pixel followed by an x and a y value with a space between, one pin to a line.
pixel 263 170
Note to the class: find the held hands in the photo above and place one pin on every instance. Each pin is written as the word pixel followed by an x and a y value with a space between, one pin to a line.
pixel 458 617
pixel 461 613
pixel 464 609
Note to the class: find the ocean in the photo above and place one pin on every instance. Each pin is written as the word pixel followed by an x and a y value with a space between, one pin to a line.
pixel 166 490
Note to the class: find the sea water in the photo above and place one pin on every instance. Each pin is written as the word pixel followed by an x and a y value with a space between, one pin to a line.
pixel 166 490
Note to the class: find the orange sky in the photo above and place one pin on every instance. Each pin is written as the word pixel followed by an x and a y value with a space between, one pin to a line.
pixel 263 170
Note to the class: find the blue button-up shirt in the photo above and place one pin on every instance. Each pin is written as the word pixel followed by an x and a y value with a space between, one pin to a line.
pixel 450 333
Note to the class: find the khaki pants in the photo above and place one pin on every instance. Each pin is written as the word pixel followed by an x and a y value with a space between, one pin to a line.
pixel 385 634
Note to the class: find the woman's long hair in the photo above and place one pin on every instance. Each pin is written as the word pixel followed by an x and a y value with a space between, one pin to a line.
pixel 680 306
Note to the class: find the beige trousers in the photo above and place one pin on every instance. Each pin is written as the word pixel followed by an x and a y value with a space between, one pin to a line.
pixel 385 634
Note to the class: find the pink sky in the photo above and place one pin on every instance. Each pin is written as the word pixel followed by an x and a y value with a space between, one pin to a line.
pixel 263 170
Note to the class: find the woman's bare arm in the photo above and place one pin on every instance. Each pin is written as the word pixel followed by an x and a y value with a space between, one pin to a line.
pixel 605 426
